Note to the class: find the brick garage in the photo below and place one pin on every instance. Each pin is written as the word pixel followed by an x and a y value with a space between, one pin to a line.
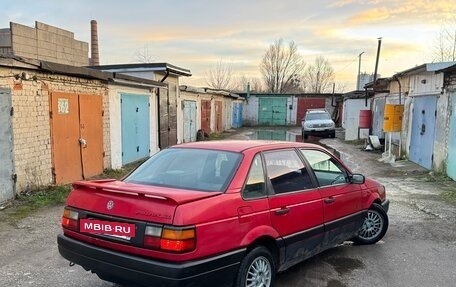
pixel 30 84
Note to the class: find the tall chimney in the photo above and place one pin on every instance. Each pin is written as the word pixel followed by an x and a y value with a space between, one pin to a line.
pixel 95 57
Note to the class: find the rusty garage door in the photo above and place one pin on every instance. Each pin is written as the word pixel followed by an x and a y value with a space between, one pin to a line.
pixel 167 105
pixel 206 116
pixel 77 136
pixel 305 104
pixel 218 116
pixel 6 147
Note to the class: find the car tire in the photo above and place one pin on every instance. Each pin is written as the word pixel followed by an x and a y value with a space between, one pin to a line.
pixel 332 135
pixel 305 136
pixel 374 226
pixel 256 269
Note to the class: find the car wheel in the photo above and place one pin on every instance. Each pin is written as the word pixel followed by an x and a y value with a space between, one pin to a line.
pixel 257 269
pixel 332 135
pixel 305 136
pixel 374 226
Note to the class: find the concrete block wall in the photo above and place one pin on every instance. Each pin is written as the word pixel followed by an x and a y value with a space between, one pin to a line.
pixel 5 38
pixel 32 150
pixel 24 42
pixel 48 43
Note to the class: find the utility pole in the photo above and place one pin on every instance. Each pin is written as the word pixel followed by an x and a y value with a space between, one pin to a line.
pixel 359 71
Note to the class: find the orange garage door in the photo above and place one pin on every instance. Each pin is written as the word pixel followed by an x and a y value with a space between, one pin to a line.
pixel 77 136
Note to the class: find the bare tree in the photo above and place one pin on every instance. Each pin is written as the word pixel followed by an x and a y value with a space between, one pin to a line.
pixel 445 48
pixel 319 76
pixel 144 55
pixel 281 67
pixel 341 87
pixel 240 84
pixel 219 76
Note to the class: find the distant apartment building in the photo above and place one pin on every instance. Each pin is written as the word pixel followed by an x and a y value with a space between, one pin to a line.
pixel 43 42
pixel 365 78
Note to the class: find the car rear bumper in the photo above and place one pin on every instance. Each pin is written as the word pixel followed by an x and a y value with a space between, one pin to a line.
pixel 138 271
pixel 319 132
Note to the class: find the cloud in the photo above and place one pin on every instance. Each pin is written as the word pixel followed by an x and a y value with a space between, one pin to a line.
pixel 403 12
pixel 370 16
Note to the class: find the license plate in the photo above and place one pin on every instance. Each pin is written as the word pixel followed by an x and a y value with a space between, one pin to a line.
pixel 110 228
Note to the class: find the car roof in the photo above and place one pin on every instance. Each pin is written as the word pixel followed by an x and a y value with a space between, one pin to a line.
pixel 317 111
pixel 242 145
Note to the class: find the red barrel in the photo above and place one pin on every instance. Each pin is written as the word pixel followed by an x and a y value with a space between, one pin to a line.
pixel 365 119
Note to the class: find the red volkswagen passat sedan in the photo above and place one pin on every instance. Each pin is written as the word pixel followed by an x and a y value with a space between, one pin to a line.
pixel 220 213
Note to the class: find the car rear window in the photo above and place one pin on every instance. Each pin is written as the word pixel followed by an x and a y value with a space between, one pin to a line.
pixel 184 168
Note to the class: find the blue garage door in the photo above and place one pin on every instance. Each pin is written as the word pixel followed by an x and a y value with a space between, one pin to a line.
pixel 236 119
pixel 451 160
pixel 189 121
pixel 423 130
pixel 135 127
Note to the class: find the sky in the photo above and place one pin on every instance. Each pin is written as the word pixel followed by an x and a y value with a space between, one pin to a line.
pixel 197 34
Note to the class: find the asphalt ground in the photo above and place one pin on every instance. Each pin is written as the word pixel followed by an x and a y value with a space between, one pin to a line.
pixel 419 248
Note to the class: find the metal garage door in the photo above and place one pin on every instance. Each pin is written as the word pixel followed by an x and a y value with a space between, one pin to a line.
pixel 6 147
pixel 377 120
pixel 218 116
pixel 451 160
pixel 189 121
pixel 423 130
pixel 237 115
pixel 77 136
pixel 308 103
pixel 135 127
pixel 272 111
pixel 206 116
pixel 168 116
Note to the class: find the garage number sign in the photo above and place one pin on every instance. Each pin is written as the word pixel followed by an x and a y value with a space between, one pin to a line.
pixel 63 106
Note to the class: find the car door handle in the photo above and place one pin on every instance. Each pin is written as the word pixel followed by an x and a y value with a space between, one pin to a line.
pixel 329 200
pixel 282 211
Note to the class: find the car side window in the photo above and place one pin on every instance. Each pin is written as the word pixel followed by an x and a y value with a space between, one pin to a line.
pixel 286 171
pixel 327 170
pixel 255 186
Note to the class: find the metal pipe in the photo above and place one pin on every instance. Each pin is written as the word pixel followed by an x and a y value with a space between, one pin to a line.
pixel 359 72
pixel 400 89
pixel 166 75
pixel 376 62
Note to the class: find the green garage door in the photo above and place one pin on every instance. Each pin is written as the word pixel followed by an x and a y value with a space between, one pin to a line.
pixel 451 160
pixel 272 112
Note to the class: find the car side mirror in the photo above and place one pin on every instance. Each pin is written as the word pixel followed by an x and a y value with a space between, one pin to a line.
pixel 357 178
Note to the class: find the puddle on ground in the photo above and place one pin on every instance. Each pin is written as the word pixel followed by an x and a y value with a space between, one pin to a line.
pixel 335 283
pixel 344 264
pixel 284 135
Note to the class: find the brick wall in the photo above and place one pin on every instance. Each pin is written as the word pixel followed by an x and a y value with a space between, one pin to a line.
pixel 31 121
pixel 450 81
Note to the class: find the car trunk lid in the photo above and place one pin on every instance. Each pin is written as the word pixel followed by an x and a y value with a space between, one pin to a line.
pixel 132 201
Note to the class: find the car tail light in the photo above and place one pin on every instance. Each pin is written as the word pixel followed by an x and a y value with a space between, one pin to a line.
pixel 172 239
pixel 70 219
pixel 152 237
